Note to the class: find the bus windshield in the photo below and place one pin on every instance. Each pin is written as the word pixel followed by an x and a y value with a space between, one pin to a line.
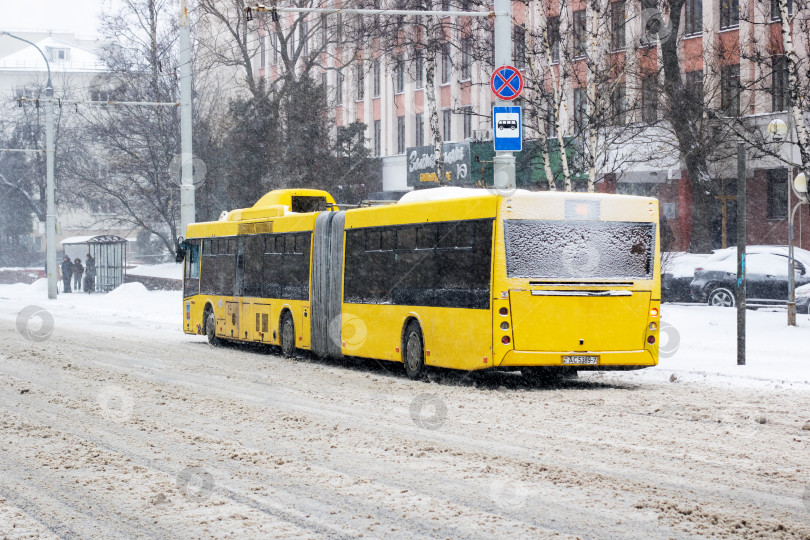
pixel 579 249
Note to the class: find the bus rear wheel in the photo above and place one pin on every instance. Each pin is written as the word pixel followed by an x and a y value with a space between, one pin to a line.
pixel 211 328
pixel 287 335
pixel 413 351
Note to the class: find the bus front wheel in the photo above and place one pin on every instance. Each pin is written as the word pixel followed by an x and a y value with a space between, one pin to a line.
pixel 287 335
pixel 211 328
pixel 413 352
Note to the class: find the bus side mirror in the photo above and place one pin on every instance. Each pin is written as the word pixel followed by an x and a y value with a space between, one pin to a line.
pixel 180 255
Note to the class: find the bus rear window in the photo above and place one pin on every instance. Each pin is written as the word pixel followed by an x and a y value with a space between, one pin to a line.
pixel 579 249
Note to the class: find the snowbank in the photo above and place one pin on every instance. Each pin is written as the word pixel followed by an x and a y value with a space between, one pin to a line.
pixel 168 270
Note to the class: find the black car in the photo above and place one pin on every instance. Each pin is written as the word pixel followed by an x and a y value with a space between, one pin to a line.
pixel 715 280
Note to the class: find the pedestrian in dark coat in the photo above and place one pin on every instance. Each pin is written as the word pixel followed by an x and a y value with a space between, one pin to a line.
pixel 89 274
pixel 78 271
pixel 67 273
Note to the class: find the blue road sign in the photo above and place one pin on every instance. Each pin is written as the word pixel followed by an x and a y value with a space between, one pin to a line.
pixel 506 82
pixel 508 129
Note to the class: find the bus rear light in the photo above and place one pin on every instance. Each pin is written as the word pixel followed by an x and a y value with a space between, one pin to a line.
pixel 654 312
pixel 650 339
pixel 504 325
pixel 653 327
pixel 485 359
pixel 505 340
pixel 503 312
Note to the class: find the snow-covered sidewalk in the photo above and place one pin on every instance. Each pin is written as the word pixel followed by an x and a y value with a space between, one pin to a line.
pixel 698 343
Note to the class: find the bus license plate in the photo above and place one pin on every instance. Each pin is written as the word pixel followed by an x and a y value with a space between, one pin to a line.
pixel 580 360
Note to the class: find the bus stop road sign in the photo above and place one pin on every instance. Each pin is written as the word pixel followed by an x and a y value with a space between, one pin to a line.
pixel 506 82
pixel 508 129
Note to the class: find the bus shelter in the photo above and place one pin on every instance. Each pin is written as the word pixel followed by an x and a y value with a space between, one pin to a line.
pixel 109 254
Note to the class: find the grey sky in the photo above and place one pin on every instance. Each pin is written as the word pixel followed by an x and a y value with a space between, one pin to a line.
pixel 78 16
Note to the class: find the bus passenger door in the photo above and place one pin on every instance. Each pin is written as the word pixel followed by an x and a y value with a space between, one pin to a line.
pixel 246 329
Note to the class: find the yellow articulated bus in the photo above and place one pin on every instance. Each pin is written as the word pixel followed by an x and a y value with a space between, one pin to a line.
pixel 457 278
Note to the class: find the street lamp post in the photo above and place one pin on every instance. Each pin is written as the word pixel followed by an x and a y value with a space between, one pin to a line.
pixel 50 213
pixel 779 131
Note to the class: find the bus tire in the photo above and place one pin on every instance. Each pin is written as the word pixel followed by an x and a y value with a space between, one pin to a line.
pixel 211 328
pixel 413 351
pixel 287 335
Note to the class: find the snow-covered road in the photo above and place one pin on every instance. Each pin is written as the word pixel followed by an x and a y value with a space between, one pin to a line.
pixel 118 425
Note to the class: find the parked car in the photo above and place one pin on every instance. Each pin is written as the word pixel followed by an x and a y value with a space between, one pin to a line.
pixel 715 279
pixel 677 272
pixel 803 299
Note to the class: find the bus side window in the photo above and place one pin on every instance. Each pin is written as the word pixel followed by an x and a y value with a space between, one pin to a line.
pixel 447 235
pixel 426 237
pixel 300 243
pixel 194 261
pixel 373 240
pixel 289 243
pixel 406 239
pixel 387 240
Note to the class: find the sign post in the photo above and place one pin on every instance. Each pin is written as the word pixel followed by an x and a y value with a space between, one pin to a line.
pixel 504 161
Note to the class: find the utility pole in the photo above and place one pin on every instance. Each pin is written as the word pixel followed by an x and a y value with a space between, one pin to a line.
pixel 741 243
pixel 187 209
pixel 503 162
pixel 50 211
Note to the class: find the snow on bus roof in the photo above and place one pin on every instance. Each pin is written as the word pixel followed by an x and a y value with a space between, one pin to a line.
pixel 442 193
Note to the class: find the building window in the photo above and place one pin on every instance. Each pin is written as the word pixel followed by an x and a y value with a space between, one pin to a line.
pixel 304 35
pixel 649 99
pixel 447 116
pixel 339 29
pixel 377 138
pixel 730 90
pixel 400 74
pixel 447 66
pixel 274 44
pixel 339 88
pixel 58 54
pixel 618 104
pixel 263 52
pixel 580 107
pixel 693 12
pixel 519 46
pixel 323 79
pixel 324 31
pixel 376 77
pixel 777 194
pixel 580 33
pixel 467 121
pixel 694 85
pixel 551 124
pixel 361 81
pixel 729 14
pixel 400 134
pixel 466 58
pixel 419 128
pixel 419 68
pixel 775 16
pixel 780 95
pixel 554 38
pixel 617 33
